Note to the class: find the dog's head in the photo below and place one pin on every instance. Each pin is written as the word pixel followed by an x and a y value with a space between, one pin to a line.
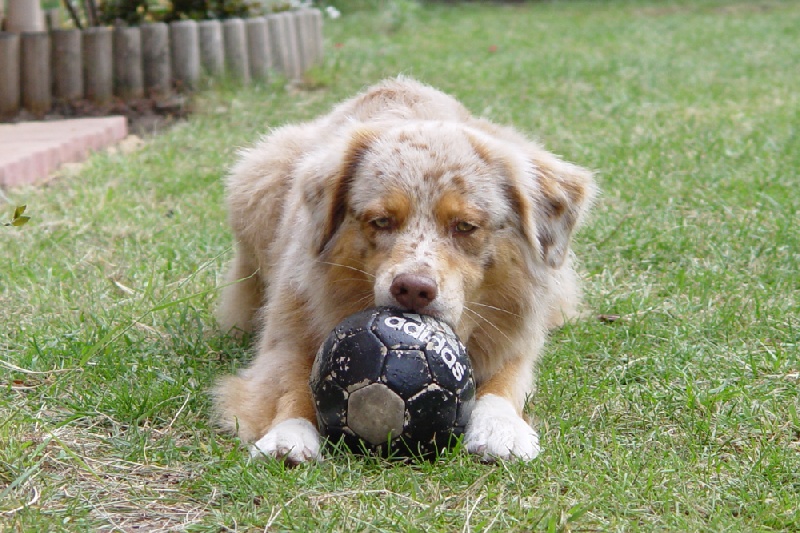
pixel 439 217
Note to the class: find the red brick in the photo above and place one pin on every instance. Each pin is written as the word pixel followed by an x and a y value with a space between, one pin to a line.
pixel 30 151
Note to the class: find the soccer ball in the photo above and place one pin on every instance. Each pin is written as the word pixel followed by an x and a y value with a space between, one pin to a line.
pixel 392 383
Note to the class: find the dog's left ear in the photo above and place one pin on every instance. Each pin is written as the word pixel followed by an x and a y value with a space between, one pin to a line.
pixel 550 197
pixel 326 193
pixel 560 195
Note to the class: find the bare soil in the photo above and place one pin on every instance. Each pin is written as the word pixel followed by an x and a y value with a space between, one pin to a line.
pixel 146 116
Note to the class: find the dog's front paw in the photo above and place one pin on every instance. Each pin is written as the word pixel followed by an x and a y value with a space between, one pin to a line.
pixel 295 441
pixel 495 431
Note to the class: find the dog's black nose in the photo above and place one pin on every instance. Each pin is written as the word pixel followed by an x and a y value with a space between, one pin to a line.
pixel 414 292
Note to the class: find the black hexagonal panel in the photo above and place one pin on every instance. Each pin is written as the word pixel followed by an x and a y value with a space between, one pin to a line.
pixel 331 403
pixel 430 411
pixel 356 322
pixel 357 359
pixel 406 372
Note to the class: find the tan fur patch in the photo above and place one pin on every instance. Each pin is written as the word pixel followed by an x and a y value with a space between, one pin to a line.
pixel 498 313
pixel 453 207
pixel 395 205
pixel 348 277
pixel 337 207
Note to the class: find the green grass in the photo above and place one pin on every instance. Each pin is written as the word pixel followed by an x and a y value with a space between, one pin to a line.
pixel 682 415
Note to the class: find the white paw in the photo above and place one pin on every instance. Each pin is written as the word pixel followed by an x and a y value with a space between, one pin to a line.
pixel 295 441
pixel 495 431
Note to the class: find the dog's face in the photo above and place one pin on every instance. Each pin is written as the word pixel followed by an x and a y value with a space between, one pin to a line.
pixel 435 218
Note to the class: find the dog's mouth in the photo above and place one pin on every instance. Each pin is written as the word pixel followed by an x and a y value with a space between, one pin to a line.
pixel 435 314
pixel 418 291
pixel 423 312
pixel 434 311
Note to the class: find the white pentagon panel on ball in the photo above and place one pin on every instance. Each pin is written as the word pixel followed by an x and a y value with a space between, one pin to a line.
pixel 376 413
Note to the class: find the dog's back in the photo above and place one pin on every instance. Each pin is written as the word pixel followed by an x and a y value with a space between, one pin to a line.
pixel 398 99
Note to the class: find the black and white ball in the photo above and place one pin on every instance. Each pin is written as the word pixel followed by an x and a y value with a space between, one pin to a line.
pixel 393 383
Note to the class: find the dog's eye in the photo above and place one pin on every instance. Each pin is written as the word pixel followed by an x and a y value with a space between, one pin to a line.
pixel 383 223
pixel 464 228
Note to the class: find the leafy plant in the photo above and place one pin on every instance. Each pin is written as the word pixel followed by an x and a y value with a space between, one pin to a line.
pixel 210 9
pixel 18 218
pixel 138 11
pixel 129 11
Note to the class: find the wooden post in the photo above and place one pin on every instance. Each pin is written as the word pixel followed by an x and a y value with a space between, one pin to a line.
pixel 128 76
pixel 25 15
pixel 304 30
pixel 97 69
pixel 67 59
pixel 233 31
pixel 156 61
pixel 9 81
pixel 212 55
pixel 35 72
pixel 293 71
pixel 279 50
pixel 258 48
pixel 319 43
pixel 185 53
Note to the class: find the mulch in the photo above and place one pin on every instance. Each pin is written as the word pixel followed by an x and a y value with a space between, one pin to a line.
pixel 146 116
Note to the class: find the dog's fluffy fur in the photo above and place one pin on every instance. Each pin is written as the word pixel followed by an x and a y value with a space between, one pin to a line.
pixel 398 183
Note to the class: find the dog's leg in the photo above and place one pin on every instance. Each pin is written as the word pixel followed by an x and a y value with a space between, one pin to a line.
pixel 496 429
pixel 242 294
pixel 293 436
pixel 279 377
pixel 269 403
pixel 274 409
pixel 566 297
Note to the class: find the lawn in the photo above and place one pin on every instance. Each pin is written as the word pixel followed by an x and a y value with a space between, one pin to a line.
pixel 672 406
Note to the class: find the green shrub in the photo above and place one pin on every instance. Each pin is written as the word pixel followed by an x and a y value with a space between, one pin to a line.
pixel 134 12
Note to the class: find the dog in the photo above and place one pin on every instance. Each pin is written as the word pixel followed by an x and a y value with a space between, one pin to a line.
pixel 398 197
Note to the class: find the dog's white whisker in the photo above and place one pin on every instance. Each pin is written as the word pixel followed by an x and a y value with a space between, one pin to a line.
pixel 489 322
pixel 347 267
pixel 506 311
pixel 349 279
pixel 365 298
pixel 474 339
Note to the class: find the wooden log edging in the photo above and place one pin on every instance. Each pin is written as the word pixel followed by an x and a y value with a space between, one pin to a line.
pixel 67 58
pixel 185 48
pixel 97 65
pixel 35 72
pixel 258 52
pixel 101 63
pixel 212 52
pixel 235 40
pixel 156 59
pixel 9 81
pixel 127 54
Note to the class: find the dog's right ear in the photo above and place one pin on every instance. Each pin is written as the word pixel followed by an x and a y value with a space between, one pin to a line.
pixel 326 194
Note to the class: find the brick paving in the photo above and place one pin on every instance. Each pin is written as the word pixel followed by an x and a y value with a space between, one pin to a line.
pixel 30 151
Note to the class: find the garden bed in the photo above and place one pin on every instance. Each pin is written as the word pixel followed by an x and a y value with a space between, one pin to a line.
pixel 97 67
